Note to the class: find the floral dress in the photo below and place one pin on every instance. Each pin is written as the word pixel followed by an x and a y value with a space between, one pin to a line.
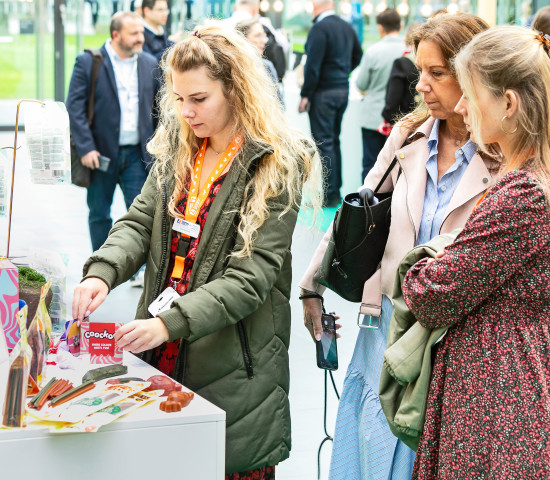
pixel 488 410
pixel 165 355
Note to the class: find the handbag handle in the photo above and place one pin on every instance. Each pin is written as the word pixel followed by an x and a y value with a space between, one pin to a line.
pixel 369 216
pixel 388 171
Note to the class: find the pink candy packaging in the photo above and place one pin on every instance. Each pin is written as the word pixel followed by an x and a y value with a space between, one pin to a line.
pixel 98 339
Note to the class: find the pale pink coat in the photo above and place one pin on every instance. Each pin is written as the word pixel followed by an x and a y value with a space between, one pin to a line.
pixel 407 206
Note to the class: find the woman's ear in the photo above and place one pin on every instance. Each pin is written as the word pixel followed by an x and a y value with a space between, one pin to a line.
pixel 512 102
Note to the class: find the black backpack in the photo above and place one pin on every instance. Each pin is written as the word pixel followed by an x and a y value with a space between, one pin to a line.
pixel 275 53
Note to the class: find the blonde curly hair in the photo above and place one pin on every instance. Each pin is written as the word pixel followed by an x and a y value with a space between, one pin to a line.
pixel 293 170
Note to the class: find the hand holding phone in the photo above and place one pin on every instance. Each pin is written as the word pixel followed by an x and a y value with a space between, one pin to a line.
pixel 103 163
pixel 327 353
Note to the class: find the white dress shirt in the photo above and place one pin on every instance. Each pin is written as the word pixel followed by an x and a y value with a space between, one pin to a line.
pixel 126 76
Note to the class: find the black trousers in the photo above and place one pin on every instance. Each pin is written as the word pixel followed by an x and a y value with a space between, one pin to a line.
pixel 326 112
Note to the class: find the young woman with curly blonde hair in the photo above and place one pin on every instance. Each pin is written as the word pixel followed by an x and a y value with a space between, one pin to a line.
pixel 214 224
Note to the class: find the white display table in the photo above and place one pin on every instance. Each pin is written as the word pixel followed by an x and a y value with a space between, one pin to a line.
pixel 147 443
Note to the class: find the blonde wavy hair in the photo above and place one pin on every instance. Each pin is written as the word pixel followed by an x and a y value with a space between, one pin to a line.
pixel 450 32
pixel 512 58
pixel 293 171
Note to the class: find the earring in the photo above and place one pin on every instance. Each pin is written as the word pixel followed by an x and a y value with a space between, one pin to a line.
pixel 506 131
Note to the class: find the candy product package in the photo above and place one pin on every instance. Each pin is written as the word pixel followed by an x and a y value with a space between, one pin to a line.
pixel 101 343
pixel 71 337
pixel 93 422
pixel 13 414
pixel 4 367
pixel 91 401
pixel 39 336
pixel 9 301
pixel 84 327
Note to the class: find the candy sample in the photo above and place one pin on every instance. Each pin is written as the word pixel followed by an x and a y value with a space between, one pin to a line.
pixel 176 401
pixel 102 373
pixel 162 382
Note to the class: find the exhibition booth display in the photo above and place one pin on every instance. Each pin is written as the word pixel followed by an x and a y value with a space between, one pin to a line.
pixel 77 394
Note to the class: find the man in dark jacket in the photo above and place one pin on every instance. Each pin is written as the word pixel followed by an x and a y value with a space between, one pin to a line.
pixel 123 122
pixel 333 51
pixel 155 15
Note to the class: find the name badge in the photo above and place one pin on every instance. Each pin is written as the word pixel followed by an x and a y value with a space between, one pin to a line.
pixel 163 301
pixel 187 228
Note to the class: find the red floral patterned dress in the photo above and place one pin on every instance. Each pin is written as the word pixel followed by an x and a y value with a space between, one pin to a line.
pixel 488 410
pixel 164 356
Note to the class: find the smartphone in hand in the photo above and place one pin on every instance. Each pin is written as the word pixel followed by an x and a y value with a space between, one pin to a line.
pixel 327 353
pixel 103 163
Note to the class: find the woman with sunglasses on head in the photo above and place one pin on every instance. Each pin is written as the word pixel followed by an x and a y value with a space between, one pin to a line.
pixel 214 225
pixel 437 181
pixel 488 413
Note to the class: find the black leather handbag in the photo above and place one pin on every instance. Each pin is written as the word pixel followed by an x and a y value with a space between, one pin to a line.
pixel 359 236
pixel 80 175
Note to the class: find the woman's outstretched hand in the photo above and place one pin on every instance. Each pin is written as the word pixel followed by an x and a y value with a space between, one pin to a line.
pixel 141 335
pixel 87 296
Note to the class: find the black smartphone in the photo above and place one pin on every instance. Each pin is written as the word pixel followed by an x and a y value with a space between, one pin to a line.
pixel 103 163
pixel 327 353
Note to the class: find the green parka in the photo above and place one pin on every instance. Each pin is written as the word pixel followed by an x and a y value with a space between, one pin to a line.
pixel 234 320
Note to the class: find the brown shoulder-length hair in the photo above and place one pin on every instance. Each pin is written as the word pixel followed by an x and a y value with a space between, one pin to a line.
pixel 450 32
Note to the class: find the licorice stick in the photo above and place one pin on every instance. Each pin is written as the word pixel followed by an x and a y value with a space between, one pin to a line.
pixel 65 388
pixel 41 393
pixel 13 408
pixel 47 394
pixel 58 388
pixel 74 392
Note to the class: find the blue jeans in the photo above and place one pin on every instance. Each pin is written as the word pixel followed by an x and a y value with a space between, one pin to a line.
pixel 129 172
pixel 373 142
pixel 326 112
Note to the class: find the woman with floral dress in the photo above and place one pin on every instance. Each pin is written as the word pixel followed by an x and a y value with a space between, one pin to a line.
pixel 439 178
pixel 488 414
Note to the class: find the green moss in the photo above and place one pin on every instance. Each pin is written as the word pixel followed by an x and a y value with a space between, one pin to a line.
pixel 30 278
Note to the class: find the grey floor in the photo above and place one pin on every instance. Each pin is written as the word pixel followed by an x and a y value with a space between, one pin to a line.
pixel 55 219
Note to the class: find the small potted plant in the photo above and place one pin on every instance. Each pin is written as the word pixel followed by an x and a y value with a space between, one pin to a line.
pixel 30 286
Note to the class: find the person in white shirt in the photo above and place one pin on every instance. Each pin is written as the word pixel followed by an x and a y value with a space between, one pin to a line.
pixel 123 119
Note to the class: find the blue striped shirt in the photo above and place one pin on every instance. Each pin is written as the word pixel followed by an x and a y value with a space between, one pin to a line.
pixel 438 194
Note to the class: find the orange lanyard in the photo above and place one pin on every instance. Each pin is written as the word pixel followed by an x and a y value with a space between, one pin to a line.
pixel 195 200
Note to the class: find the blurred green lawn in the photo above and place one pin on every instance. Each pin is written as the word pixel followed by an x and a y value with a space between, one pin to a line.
pixel 18 64
pixel 18 61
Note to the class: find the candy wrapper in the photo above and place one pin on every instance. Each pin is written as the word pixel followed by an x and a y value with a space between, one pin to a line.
pixel 84 327
pixel 4 367
pixel 107 415
pixel 39 336
pixel 100 397
pixel 70 340
pixel 9 301
pixel 13 414
pixel 98 339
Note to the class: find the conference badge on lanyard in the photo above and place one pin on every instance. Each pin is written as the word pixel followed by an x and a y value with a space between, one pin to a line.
pixel 187 228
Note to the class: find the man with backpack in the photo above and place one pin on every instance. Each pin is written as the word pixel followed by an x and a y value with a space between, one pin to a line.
pixel 113 144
